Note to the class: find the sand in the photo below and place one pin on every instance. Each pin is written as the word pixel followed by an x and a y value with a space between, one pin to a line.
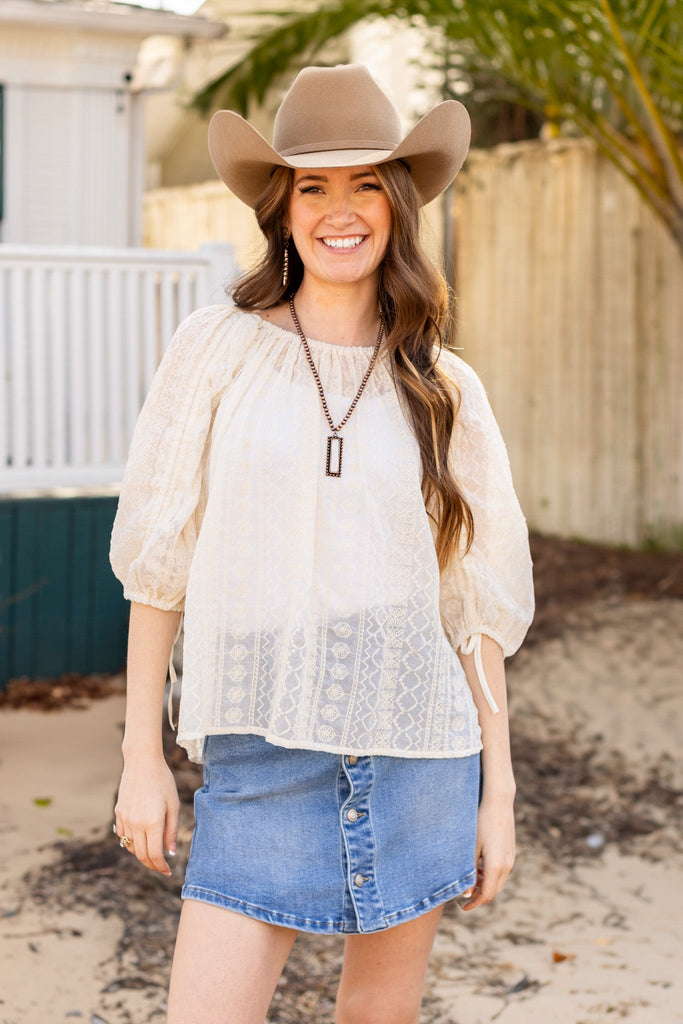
pixel 57 781
pixel 588 930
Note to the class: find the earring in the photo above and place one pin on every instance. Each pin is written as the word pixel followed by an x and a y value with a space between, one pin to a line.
pixel 285 261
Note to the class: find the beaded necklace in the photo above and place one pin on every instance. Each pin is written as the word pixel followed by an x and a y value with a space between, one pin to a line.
pixel 335 443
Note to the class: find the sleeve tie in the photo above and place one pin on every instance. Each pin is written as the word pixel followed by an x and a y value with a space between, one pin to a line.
pixel 172 675
pixel 472 645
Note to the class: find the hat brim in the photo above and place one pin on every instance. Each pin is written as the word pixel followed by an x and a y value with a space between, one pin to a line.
pixel 435 150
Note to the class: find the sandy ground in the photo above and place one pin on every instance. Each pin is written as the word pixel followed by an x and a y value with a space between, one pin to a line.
pixel 57 778
pixel 588 931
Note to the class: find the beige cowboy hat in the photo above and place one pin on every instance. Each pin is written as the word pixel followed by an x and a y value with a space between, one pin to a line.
pixel 339 117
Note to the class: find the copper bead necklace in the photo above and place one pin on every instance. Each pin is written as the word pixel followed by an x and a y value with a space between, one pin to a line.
pixel 335 443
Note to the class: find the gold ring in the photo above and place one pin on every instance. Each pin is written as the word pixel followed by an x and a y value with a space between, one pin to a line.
pixel 125 842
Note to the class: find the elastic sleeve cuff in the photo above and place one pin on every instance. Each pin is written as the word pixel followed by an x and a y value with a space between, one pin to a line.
pixel 163 604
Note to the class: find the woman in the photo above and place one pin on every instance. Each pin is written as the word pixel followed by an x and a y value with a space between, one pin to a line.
pixel 336 519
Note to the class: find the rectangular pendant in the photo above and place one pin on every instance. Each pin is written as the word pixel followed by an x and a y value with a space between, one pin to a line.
pixel 333 463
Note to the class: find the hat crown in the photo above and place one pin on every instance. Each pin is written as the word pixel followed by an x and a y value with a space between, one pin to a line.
pixel 339 108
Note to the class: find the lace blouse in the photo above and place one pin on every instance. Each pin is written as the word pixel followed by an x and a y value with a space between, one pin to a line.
pixel 315 613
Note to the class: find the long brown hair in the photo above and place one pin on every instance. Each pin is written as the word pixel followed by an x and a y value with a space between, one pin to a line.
pixel 413 298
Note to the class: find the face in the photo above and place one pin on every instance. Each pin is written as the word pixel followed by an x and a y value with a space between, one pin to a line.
pixel 340 222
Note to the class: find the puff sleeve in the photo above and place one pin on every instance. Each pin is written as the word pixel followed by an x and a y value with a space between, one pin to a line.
pixel 162 497
pixel 489 590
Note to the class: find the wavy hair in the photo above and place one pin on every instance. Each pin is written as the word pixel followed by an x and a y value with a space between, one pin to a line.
pixel 413 298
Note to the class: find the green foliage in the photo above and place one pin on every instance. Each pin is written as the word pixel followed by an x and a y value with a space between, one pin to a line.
pixel 610 69
pixel 558 55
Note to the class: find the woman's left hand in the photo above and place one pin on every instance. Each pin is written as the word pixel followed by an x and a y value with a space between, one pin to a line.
pixel 495 849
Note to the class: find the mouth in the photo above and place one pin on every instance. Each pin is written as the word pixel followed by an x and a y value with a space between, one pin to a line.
pixel 344 243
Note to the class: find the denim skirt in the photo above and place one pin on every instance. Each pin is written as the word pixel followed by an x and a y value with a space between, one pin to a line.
pixel 323 842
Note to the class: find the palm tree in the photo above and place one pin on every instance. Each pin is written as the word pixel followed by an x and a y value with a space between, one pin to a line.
pixel 609 69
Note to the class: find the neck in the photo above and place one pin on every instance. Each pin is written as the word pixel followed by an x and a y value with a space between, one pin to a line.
pixel 339 315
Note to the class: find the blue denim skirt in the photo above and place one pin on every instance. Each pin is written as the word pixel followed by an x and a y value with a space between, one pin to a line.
pixel 322 842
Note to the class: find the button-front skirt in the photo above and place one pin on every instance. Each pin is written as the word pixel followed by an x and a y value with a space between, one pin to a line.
pixel 324 843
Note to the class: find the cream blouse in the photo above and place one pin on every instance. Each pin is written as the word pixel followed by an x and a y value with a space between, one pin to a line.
pixel 315 614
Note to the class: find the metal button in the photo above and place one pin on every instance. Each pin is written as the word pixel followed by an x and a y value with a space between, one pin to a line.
pixel 359 880
pixel 352 759
pixel 352 814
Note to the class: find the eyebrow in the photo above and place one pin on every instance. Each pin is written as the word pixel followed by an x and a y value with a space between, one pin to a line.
pixel 322 177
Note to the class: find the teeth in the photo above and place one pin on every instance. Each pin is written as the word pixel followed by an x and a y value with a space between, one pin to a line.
pixel 343 243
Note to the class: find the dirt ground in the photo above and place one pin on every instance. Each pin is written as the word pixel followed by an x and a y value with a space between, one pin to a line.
pixel 589 928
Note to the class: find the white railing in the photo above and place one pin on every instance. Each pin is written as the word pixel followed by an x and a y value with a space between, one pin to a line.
pixel 82 331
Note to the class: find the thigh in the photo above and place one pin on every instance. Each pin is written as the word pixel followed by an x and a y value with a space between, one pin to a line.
pixel 383 973
pixel 225 966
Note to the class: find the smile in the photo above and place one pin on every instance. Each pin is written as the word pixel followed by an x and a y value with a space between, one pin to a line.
pixel 348 242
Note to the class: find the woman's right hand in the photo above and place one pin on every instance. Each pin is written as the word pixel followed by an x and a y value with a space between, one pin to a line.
pixel 147 811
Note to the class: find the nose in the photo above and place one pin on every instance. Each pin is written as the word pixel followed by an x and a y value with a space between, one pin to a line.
pixel 340 212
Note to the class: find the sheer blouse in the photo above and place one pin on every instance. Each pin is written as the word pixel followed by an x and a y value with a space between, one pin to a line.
pixel 315 614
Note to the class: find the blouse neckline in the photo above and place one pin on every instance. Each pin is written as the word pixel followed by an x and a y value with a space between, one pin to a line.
pixel 313 342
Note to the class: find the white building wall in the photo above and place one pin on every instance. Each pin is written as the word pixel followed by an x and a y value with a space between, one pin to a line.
pixel 73 140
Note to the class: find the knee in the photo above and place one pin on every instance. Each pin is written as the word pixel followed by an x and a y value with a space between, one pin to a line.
pixel 366 1008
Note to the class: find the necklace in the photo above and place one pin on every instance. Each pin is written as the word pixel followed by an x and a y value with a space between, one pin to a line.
pixel 335 443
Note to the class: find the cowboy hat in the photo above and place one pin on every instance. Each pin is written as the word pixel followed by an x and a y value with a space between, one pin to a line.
pixel 339 117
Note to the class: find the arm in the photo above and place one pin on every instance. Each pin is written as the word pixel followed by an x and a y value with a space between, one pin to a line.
pixel 161 506
pixel 147 806
pixel 495 849
pixel 487 598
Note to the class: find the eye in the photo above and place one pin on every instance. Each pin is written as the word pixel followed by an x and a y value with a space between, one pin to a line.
pixel 370 186
pixel 309 189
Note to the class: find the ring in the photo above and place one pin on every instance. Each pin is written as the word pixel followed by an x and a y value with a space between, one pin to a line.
pixel 125 842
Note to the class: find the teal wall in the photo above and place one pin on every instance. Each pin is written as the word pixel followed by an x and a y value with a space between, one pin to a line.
pixel 61 608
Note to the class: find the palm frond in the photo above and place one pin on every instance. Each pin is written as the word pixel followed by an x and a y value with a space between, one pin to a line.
pixel 297 40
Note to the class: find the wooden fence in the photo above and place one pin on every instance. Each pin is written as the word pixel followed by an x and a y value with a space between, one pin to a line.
pixel 187 217
pixel 570 298
pixel 571 309
pixel 82 333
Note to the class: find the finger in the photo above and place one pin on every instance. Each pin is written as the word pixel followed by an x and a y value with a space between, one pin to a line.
pixel 171 829
pixel 127 832
pixel 488 887
pixel 155 851
pixel 489 882
pixel 479 892
pixel 149 851
pixel 469 893
pixel 140 846
pixel 476 901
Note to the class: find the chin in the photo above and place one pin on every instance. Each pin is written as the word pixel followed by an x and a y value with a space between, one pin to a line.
pixel 350 276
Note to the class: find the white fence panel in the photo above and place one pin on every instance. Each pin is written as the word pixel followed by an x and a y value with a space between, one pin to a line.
pixel 82 333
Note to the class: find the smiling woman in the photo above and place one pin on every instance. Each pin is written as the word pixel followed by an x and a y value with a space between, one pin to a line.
pixel 323 489
pixel 339 220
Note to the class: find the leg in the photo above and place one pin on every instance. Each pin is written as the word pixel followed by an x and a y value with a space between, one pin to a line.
pixel 225 966
pixel 383 973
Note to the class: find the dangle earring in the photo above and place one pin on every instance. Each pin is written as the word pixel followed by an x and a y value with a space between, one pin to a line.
pixel 285 260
